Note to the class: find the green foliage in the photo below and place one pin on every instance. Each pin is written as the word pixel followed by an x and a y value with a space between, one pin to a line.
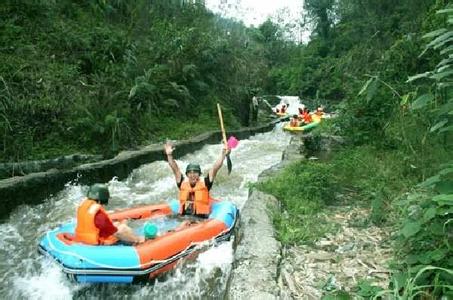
pixel 303 189
pixel 121 72
pixel 364 175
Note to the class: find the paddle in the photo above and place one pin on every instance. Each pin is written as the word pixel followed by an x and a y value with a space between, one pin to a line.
pixel 229 163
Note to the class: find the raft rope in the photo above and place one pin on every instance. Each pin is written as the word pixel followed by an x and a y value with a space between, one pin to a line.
pixel 198 245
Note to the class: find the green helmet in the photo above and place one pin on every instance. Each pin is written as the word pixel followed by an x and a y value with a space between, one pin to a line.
pixel 193 167
pixel 99 192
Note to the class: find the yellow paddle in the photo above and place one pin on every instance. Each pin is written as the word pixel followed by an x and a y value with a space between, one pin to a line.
pixel 229 163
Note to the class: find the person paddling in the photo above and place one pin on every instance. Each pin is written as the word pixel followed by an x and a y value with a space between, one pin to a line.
pixel 194 197
pixel 94 225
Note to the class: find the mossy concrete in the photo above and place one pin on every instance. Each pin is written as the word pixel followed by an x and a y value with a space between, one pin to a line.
pixel 35 187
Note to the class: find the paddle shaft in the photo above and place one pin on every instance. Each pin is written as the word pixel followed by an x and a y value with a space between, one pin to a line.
pixel 229 163
pixel 219 110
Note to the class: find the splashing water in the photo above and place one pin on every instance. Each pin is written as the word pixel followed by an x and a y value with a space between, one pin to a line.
pixel 27 275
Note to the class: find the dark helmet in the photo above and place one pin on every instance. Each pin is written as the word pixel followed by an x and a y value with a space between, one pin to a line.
pixel 193 167
pixel 99 192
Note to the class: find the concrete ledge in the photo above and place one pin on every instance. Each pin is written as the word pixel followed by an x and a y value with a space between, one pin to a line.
pixel 257 256
pixel 34 188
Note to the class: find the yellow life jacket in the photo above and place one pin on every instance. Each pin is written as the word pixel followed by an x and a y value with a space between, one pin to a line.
pixel 86 230
pixel 316 117
pixel 201 198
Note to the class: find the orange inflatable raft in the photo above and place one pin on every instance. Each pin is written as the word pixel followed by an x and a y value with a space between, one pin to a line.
pixel 178 237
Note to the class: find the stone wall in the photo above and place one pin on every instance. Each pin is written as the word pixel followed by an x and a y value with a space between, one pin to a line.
pixel 35 187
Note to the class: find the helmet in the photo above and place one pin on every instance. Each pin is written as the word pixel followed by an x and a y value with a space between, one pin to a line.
pixel 193 167
pixel 150 230
pixel 99 192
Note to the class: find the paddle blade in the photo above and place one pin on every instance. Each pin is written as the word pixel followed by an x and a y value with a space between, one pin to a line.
pixel 232 142
pixel 229 164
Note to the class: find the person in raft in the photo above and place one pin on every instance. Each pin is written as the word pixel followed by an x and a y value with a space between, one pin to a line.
pixel 94 225
pixel 294 122
pixel 194 198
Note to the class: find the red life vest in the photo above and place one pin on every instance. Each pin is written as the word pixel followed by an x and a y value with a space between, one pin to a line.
pixel 199 194
pixel 86 230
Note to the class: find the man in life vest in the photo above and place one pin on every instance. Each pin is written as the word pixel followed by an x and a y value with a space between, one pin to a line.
pixel 283 109
pixel 94 225
pixel 306 116
pixel 194 197
pixel 317 116
pixel 294 122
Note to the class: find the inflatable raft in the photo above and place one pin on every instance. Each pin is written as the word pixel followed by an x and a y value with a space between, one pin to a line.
pixel 301 128
pixel 179 236
pixel 281 114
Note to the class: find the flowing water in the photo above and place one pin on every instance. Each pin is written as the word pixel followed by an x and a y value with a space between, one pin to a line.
pixel 27 275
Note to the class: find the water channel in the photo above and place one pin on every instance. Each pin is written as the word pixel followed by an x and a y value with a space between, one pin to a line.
pixel 27 275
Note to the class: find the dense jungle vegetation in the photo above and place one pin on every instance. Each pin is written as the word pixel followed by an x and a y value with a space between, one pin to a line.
pixel 387 65
pixel 101 76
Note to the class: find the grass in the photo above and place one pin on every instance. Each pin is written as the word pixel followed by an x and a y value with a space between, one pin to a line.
pixel 361 176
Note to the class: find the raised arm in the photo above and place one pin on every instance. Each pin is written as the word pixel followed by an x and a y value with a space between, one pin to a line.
pixel 168 148
pixel 218 164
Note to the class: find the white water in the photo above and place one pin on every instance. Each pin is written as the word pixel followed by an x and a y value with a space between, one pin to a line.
pixel 292 103
pixel 24 274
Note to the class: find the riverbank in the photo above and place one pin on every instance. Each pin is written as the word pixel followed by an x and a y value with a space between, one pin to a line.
pixel 351 257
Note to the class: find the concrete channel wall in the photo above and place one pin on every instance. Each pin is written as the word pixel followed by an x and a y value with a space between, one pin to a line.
pixel 35 187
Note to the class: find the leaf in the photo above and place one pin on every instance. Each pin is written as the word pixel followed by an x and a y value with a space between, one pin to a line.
pixel 446 50
pixel 441 40
pixel 444 187
pixel 444 199
pixel 441 75
pixel 449 128
pixel 405 99
pixel 410 229
pixel 412 259
pixel 422 101
pixel 430 181
pixel 445 11
pixel 365 86
pixel 446 171
pixel 438 125
pixel 133 91
pixel 434 33
pixel 437 254
pixel 418 76
pixel 425 259
pixel 171 103
pixel 372 89
pixel 429 214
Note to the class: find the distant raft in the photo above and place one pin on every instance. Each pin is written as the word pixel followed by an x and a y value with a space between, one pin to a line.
pixel 179 236
pixel 307 127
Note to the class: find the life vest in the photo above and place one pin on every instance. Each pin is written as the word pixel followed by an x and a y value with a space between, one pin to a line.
pixel 307 118
pixel 86 230
pixel 201 198
pixel 293 123
pixel 317 116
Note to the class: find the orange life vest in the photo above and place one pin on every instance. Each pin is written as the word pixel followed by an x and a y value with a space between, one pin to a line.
pixel 294 122
pixel 86 230
pixel 307 118
pixel 201 198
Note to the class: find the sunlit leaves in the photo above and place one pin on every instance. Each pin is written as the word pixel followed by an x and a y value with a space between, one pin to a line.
pixel 438 125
